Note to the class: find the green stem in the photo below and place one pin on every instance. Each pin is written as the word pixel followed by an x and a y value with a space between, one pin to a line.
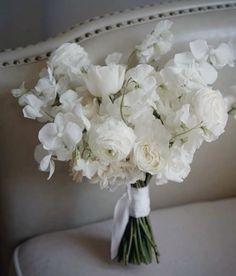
pixel 137 245
pixel 232 109
pixel 130 243
pixel 172 140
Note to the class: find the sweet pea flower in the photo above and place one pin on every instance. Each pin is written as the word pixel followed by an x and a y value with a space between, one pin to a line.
pixel 69 60
pixel 156 44
pixel 44 158
pixel 61 137
pixel 219 57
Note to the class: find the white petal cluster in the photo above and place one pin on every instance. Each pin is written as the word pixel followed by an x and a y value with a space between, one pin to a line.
pixel 115 124
pixel 156 44
pixel 69 60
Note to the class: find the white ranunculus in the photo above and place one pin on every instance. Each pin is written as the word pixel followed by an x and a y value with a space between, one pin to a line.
pixel 69 59
pixel 147 156
pixel 111 140
pixel 222 55
pixel 104 80
pixel 61 137
pixel 211 110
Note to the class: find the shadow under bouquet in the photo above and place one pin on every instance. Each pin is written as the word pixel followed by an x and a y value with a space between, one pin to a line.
pixel 128 122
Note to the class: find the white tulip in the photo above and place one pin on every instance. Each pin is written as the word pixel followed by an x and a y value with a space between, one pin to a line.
pixel 104 80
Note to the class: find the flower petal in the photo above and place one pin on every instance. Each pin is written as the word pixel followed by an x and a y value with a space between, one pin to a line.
pixel 113 58
pixel 51 169
pixel 184 58
pixel 72 135
pixel 208 72
pixel 48 136
pixel 199 49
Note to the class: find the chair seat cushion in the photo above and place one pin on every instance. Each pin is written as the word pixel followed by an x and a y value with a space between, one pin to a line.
pixel 194 240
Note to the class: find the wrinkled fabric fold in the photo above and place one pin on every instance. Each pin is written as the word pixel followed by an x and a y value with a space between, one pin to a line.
pixel 136 203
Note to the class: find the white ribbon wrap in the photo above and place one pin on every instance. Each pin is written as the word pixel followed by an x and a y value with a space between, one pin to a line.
pixel 136 203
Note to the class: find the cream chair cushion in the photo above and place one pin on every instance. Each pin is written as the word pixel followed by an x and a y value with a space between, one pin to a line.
pixel 194 240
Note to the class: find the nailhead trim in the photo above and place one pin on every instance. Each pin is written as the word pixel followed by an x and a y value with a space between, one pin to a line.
pixel 118 25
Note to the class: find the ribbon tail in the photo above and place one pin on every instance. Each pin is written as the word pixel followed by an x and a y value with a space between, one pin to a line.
pixel 120 221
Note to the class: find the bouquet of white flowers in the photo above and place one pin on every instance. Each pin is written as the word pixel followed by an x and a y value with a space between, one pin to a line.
pixel 125 123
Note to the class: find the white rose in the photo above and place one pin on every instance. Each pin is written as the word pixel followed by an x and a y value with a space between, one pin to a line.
pixel 147 156
pixel 104 80
pixel 211 110
pixel 69 59
pixel 111 140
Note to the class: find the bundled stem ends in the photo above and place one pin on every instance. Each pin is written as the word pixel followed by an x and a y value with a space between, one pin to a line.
pixel 138 245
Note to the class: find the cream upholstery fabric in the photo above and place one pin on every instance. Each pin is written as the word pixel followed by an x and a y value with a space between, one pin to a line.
pixel 194 240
